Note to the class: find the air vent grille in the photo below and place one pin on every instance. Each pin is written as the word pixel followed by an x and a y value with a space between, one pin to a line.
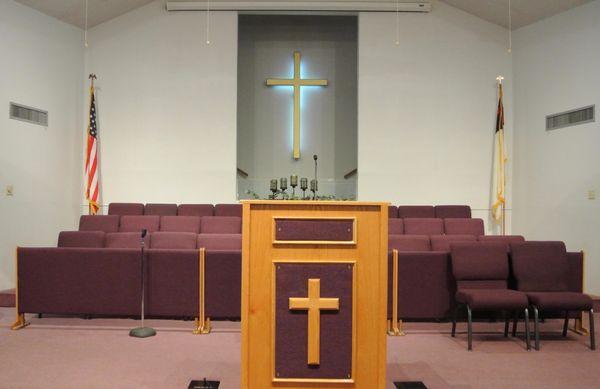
pixel 28 114
pixel 570 118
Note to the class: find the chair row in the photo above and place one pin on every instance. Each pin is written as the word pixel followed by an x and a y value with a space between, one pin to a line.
pixel 174 209
pixel 435 226
pixel 412 243
pixel 540 269
pixel 154 240
pixel 429 211
pixel 153 223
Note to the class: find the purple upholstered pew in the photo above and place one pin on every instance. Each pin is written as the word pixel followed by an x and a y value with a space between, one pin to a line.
pixel 106 223
pixel 228 210
pixel 223 284
pixel 416 211
pixel 195 210
pixel 121 209
pixel 180 224
pixel 221 225
pixel 463 226
pixel 423 226
pixel 160 209
pixel 452 211
pixel 88 239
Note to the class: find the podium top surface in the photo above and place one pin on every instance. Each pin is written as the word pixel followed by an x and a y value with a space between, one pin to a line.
pixel 316 202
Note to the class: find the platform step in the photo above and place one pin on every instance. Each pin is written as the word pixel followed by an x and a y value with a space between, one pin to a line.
pixel 7 298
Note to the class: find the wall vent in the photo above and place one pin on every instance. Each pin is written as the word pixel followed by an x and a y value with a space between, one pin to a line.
pixel 28 114
pixel 570 118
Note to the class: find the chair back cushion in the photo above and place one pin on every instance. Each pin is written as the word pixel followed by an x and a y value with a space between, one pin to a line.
pixel 463 226
pixel 406 211
pixel 228 210
pixel 479 262
pixel 220 241
pixel 443 242
pixel 506 240
pixel 423 226
pixel 106 223
pixel 392 211
pixel 221 225
pixel 173 240
pixel 126 240
pixel 125 209
pixel 195 210
pixel 540 266
pixel 161 209
pixel 180 224
pixel 93 239
pixel 138 223
pixel 395 226
pixel 452 211
pixel 404 243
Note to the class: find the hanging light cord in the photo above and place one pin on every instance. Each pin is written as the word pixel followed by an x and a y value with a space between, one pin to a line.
pixel 397 23
pixel 85 42
pixel 509 28
pixel 208 22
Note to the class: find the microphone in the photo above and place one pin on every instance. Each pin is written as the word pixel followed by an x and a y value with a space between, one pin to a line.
pixel 144 232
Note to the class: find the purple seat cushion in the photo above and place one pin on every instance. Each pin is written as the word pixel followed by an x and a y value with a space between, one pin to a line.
pixel 443 242
pixel 452 211
pixel 126 240
pixel 405 243
pixel 173 240
pixel 506 240
pixel 492 299
pixel 161 209
pixel 423 226
pixel 395 226
pixel 412 211
pixel 392 211
pixel 228 210
pixel 106 223
pixel 540 266
pixel 195 210
pixel 221 225
pixel 180 224
pixel 458 226
pixel 125 209
pixel 561 301
pixel 229 242
pixel 81 239
pixel 138 223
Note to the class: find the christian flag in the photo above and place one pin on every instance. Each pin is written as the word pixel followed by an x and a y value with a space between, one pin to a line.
pixel 91 160
pixel 499 183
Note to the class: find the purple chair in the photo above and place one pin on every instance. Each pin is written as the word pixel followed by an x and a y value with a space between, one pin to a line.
pixel 414 211
pixel 423 226
pixel 443 242
pixel 106 223
pixel 230 242
pixel 180 224
pixel 221 225
pixel 452 211
pixel 506 240
pixel 138 223
pixel 481 271
pixel 161 209
pixel 228 210
pixel 88 239
pixel 173 240
pixel 126 240
pixel 125 209
pixel 542 272
pixel 392 211
pixel 463 226
pixel 195 210
pixel 410 243
pixel 395 226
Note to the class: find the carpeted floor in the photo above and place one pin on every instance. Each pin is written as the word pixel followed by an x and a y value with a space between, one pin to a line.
pixel 98 353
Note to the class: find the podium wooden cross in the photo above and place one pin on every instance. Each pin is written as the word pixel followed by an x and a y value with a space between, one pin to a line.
pixel 314 294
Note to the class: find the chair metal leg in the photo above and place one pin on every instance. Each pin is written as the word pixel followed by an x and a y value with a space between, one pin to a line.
pixel 506 323
pixel 566 324
pixel 527 334
pixel 454 315
pixel 592 331
pixel 469 329
pixel 515 321
pixel 536 327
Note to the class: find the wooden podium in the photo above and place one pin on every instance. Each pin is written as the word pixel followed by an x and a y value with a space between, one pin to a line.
pixel 314 294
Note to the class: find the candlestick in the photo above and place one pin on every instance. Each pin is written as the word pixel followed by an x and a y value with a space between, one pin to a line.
pixel 273 187
pixel 283 183
pixel 293 180
pixel 304 183
pixel 314 187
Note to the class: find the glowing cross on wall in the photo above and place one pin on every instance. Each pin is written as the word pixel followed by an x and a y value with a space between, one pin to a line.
pixel 296 82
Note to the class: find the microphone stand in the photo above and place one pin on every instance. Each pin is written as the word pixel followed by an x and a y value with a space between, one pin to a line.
pixel 315 157
pixel 142 332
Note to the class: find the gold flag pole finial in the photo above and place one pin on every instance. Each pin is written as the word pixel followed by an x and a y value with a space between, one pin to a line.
pixel 499 79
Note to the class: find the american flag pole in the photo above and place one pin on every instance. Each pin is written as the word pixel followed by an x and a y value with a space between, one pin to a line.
pixel 91 161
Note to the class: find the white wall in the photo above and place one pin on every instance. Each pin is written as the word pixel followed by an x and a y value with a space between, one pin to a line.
pixel 427 107
pixel 41 65
pixel 556 63
pixel 166 105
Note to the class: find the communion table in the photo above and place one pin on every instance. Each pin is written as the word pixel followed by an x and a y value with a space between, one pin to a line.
pixel 314 294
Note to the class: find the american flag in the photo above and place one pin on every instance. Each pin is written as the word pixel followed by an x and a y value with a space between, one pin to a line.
pixel 91 160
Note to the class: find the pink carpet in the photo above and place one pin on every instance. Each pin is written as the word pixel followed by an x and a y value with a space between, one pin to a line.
pixel 98 353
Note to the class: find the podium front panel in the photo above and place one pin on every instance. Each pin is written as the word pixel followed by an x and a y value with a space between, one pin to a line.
pixel 314 294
